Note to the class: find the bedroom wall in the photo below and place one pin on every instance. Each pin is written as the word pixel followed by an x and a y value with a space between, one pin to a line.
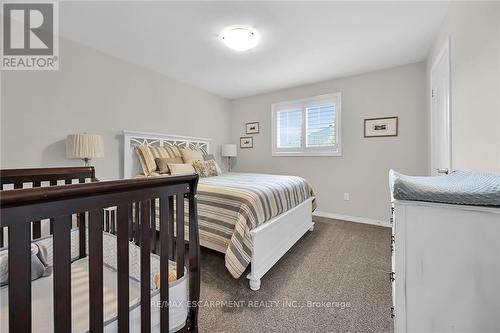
pixel 474 28
pixel 95 93
pixel 363 169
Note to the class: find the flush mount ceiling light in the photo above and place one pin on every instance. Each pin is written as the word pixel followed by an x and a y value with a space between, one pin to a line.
pixel 239 38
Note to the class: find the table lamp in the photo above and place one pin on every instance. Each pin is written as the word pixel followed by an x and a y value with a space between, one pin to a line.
pixel 229 150
pixel 84 146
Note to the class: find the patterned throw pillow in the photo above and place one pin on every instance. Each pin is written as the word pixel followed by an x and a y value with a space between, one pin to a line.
pixel 199 167
pixel 210 168
pixel 210 157
pixel 205 168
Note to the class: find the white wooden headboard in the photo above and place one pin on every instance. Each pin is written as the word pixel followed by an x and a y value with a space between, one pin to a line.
pixel 131 164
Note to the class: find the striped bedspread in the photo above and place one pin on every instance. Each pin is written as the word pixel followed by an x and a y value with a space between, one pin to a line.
pixel 231 205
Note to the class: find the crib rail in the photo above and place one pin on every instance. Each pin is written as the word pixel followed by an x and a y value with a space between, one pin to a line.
pixel 19 207
pixel 36 177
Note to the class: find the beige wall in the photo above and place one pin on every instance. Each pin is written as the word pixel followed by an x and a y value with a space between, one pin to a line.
pixel 362 170
pixel 99 94
pixel 474 28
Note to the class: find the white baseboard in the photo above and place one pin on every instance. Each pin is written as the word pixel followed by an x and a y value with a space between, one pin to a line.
pixel 356 219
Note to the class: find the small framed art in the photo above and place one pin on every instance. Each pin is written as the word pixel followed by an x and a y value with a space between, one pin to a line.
pixel 246 142
pixel 252 128
pixel 378 127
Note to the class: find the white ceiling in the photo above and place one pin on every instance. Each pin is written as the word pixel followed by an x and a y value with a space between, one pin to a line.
pixel 300 42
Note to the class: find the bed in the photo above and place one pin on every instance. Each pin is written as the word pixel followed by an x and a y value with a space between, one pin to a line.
pixel 96 281
pixel 251 218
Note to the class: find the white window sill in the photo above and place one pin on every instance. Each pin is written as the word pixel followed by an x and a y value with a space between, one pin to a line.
pixel 306 154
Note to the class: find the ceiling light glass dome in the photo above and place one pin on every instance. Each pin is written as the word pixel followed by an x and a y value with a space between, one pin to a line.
pixel 239 38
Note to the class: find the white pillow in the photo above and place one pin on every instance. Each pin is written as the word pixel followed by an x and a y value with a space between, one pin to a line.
pixel 181 169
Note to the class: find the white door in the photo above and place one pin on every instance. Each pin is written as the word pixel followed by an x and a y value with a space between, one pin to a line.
pixel 440 114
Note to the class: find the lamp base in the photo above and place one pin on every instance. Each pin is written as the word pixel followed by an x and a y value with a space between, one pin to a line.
pixel 87 161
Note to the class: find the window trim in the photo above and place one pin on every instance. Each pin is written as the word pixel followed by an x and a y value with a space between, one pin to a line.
pixel 304 151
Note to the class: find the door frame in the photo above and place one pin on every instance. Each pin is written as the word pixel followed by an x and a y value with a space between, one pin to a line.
pixel 445 51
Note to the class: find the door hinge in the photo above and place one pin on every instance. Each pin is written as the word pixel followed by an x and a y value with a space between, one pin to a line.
pixel 392 312
pixel 433 93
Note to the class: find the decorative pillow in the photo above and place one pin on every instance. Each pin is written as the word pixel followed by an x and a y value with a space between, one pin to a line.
pixel 210 157
pixel 146 159
pixel 147 155
pixel 199 167
pixel 173 151
pixel 181 169
pixel 162 163
pixel 211 168
pixel 206 168
pixel 190 156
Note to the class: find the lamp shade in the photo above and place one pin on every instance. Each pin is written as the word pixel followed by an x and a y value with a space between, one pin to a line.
pixel 228 150
pixel 84 146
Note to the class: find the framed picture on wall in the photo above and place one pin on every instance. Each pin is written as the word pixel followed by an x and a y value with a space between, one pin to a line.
pixel 246 142
pixel 378 127
pixel 252 128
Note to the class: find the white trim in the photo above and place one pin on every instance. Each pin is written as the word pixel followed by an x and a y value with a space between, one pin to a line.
pixel 152 135
pixel 312 151
pixel 487 209
pixel 445 51
pixel 357 219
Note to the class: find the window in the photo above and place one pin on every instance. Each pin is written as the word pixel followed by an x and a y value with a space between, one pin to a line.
pixel 307 127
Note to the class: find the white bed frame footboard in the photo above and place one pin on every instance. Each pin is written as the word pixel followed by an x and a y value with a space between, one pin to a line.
pixel 270 241
pixel 273 239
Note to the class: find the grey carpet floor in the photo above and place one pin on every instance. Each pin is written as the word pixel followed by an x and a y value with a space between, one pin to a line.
pixel 344 263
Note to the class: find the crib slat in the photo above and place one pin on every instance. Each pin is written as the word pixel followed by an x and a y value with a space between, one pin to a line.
pixel 179 212
pixel 62 274
pixel 19 278
pixel 171 249
pixel 164 257
pixel 194 261
pixel 123 268
pixel 82 237
pixel 95 271
pixel 131 222
pixel 145 267
pixel 36 226
pixel 136 224
pixel 113 222
pixel 51 225
pixel 153 226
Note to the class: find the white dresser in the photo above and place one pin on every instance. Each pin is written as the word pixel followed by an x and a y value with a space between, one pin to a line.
pixel 445 268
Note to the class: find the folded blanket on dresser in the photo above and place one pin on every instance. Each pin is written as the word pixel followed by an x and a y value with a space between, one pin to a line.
pixel 231 205
pixel 459 187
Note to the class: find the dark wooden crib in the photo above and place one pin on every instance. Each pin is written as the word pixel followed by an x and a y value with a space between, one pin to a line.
pixel 22 209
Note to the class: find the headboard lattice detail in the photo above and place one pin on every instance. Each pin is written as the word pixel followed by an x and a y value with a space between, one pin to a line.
pixel 131 165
